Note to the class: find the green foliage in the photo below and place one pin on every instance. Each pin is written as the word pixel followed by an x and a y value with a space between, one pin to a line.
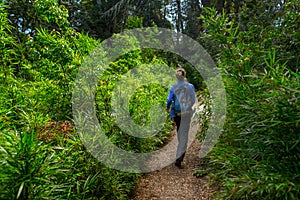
pixel 40 158
pixel 140 103
pixel 33 169
pixel 257 156
pixel 53 59
pixel 22 167
pixel 134 22
pixel 8 48
pixel 28 16
pixel 203 113
pixel 37 161
pixel 50 14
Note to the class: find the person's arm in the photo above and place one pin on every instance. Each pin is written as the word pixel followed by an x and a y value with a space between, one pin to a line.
pixel 169 99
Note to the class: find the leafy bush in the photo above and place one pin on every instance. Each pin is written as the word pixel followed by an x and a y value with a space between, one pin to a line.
pixel 140 103
pixel 257 156
pixel 42 157
pixel 39 161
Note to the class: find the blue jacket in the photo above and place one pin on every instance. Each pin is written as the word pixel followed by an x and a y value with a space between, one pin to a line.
pixel 171 95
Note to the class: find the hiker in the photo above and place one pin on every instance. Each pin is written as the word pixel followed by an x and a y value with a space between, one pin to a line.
pixel 180 100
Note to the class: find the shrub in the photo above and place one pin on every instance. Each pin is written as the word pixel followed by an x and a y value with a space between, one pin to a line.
pixel 257 156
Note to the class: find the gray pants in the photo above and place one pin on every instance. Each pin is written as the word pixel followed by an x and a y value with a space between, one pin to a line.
pixel 183 126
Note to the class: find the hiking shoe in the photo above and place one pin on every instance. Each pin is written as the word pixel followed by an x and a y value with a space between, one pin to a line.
pixel 178 164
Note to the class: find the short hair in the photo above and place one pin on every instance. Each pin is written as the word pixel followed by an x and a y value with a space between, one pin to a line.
pixel 180 74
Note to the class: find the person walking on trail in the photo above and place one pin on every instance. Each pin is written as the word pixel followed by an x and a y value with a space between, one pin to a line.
pixel 180 101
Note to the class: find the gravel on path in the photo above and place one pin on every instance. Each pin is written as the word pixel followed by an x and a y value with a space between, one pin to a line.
pixel 174 183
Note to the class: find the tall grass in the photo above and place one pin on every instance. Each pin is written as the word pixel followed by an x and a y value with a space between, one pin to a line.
pixel 39 159
pixel 41 154
pixel 257 156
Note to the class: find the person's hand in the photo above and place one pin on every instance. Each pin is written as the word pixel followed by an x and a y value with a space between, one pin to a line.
pixel 168 109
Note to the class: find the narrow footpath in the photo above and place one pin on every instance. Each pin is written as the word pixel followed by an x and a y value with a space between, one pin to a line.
pixel 173 183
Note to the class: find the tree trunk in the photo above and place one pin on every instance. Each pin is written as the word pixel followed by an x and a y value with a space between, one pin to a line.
pixel 179 17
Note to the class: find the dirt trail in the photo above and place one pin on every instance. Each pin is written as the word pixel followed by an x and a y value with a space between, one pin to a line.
pixel 173 183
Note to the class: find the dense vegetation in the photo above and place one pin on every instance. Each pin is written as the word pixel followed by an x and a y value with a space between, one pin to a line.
pixel 257 157
pixel 43 44
pixel 41 154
